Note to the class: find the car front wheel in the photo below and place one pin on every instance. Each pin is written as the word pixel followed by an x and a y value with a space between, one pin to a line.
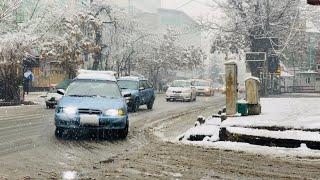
pixel 135 105
pixel 150 104
pixel 59 132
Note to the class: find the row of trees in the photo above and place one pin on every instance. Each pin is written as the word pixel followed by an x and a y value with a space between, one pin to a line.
pixel 94 36
pixel 247 20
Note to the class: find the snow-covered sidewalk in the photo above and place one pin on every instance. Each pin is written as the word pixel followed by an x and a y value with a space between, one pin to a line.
pixel 287 113
pixel 36 97
pixel 286 122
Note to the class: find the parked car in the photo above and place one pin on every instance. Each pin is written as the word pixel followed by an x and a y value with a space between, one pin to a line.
pixel 138 91
pixel 204 87
pixel 52 97
pixel 93 101
pixel 183 90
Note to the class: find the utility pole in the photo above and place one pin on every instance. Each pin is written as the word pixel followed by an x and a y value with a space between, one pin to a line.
pixel 294 73
pixel 267 31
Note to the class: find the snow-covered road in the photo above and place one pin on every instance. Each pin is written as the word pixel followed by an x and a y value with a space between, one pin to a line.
pixel 29 149
pixel 28 146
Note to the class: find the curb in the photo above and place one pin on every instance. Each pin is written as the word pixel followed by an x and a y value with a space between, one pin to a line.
pixel 225 135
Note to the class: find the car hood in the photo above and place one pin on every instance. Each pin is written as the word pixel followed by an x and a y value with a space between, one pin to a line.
pixel 98 103
pixel 178 88
pixel 129 91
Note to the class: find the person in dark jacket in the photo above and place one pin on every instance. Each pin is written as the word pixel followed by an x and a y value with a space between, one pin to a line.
pixel 27 78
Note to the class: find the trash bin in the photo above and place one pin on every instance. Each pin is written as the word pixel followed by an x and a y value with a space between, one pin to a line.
pixel 242 108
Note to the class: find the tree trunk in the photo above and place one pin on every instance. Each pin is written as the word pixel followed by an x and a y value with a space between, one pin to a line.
pixel 11 81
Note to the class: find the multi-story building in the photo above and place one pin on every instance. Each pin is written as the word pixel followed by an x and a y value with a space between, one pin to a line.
pixel 190 33
pixel 304 76
pixel 138 6
pixel 187 28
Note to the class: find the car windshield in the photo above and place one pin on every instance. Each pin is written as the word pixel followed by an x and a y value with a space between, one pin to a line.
pixel 201 83
pixel 91 88
pixel 126 84
pixel 180 84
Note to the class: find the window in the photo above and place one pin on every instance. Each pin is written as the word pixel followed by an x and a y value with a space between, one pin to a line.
pixel 317 79
pixel 143 84
pixel 308 80
pixel 88 88
pixel 149 84
pixel 125 84
pixel 181 83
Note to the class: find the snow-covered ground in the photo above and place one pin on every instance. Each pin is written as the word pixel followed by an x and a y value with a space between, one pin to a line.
pixel 296 116
pixel 288 134
pixel 297 113
pixel 302 151
pixel 36 97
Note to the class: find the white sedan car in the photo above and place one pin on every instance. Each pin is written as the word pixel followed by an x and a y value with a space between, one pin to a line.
pixel 181 90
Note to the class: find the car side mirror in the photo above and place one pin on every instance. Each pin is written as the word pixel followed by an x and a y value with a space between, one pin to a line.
pixel 126 95
pixel 61 91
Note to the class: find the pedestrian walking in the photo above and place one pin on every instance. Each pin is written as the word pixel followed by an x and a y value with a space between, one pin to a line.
pixel 27 78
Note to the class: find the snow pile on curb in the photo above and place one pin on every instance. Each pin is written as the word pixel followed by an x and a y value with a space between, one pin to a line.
pixel 288 126
pixel 302 151
pixel 290 134
pixel 289 113
pixel 209 131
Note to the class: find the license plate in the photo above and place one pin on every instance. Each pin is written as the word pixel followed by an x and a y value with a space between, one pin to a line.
pixel 92 120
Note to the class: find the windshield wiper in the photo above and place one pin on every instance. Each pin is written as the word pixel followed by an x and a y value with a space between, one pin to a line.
pixel 76 95
pixel 98 96
pixel 123 88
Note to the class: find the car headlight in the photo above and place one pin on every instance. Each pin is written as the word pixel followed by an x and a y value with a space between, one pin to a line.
pixel 115 112
pixel 68 110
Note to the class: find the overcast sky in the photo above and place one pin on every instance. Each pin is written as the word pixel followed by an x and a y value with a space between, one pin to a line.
pixel 194 8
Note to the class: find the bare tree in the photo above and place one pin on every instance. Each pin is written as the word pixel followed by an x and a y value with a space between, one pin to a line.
pixel 247 20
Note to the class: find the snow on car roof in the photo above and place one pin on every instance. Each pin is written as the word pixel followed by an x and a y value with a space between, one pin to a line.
pixel 132 78
pixel 96 75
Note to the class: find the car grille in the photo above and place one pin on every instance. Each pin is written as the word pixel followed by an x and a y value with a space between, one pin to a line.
pixel 176 91
pixel 89 111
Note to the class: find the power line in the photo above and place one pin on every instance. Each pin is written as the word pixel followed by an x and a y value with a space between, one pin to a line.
pixel 184 4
